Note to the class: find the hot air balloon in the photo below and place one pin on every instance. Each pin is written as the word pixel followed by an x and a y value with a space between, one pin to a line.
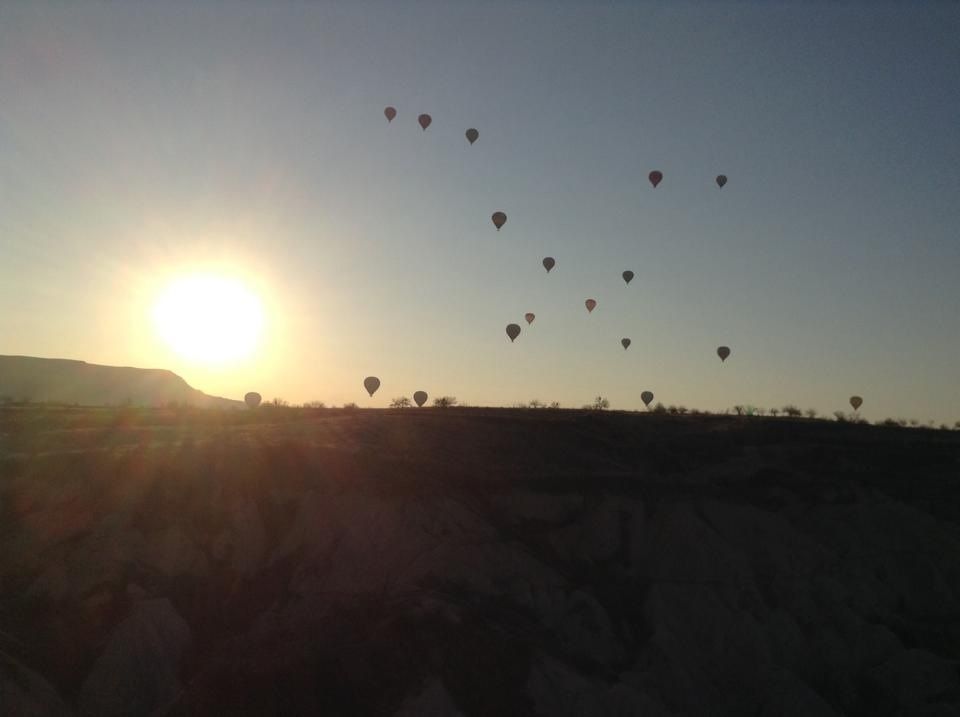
pixel 252 399
pixel 590 304
pixel 655 177
pixel 472 135
pixel 371 383
pixel 529 317
pixel 628 276
pixel 549 263
pixel 419 398
pixel 856 402
pixel 499 219
pixel 513 331
pixel 721 180
pixel 723 352
pixel 424 121
pixel 626 343
pixel 646 397
pixel 390 113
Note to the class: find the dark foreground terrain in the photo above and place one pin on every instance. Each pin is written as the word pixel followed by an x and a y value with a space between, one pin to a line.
pixel 475 562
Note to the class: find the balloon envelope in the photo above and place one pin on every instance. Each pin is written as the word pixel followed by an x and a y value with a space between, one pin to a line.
pixel 548 263
pixel 252 399
pixel 626 343
pixel 721 179
pixel 513 331
pixel 590 304
pixel 371 383
pixel 723 352
pixel 628 276
pixel 646 397
pixel 472 135
pixel 499 219
pixel 529 317
pixel 424 121
pixel 420 397
pixel 655 177
pixel 856 402
pixel 390 113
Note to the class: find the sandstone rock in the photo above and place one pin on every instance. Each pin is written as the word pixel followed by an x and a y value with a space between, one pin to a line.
pixel 914 677
pixel 581 626
pixel 787 696
pixel 432 701
pixel 558 691
pixel 137 672
pixel 173 553
pixel 24 693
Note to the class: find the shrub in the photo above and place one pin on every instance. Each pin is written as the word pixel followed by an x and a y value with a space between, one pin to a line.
pixel 840 416
pixel 792 411
pixel 445 401
pixel 536 404
pixel 401 402
pixel 555 404
pixel 278 403
pixel 659 408
pixel 811 413
pixel 672 410
pixel 600 403
pixel 314 404
pixel 914 422
pixel 350 406
pixel 889 422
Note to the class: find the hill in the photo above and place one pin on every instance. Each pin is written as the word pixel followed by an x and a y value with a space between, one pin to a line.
pixel 42 380
pixel 475 562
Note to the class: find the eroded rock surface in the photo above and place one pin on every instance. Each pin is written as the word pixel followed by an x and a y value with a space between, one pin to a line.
pixel 483 563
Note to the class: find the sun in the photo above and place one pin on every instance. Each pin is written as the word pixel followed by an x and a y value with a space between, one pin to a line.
pixel 209 319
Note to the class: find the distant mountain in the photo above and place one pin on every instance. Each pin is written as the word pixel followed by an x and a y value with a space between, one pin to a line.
pixel 25 378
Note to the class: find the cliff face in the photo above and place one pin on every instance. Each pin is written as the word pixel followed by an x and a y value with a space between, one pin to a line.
pixel 24 378
pixel 480 563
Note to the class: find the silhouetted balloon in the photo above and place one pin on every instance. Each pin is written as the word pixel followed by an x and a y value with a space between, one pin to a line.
pixel 626 343
pixel 646 397
pixel 655 177
pixel 856 402
pixel 723 352
pixel 252 399
pixel 549 263
pixel 499 219
pixel 420 397
pixel 371 383
pixel 529 317
pixel 590 304
pixel 390 113
pixel 424 121
pixel 721 179
pixel 472 135
pixel 513 331
pixel 628 276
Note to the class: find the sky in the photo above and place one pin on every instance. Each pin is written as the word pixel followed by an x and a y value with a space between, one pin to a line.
pixel 143 142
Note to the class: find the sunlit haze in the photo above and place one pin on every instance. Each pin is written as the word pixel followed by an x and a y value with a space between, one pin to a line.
pixel 213 188
pixel 209 319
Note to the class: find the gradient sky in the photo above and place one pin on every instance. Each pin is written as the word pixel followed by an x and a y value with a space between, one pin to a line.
pixel 139 142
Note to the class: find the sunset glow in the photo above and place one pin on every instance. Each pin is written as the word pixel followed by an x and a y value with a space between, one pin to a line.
pixel 209 319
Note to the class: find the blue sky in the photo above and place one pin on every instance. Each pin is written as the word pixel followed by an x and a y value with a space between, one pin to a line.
pixel 141 142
